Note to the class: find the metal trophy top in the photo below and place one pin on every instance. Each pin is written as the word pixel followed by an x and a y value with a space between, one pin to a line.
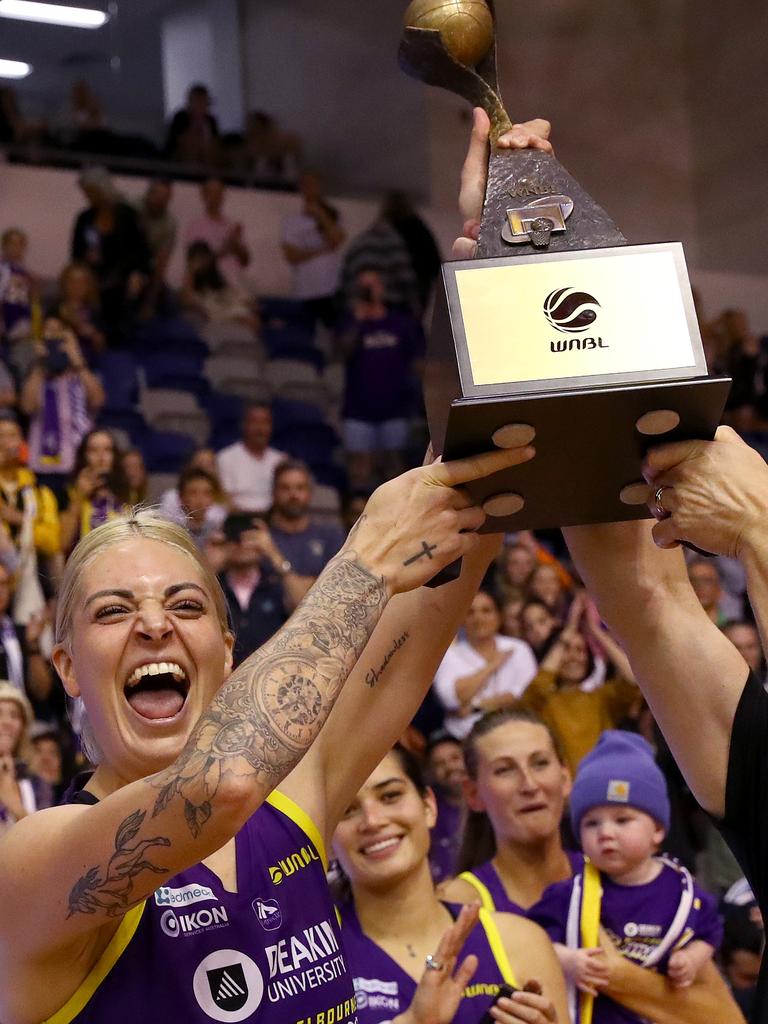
pixel 531 202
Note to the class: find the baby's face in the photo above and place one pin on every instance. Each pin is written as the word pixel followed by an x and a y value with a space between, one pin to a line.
pixel 618 838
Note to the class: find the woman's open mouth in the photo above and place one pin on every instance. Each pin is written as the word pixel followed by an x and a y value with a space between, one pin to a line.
pixel 158 690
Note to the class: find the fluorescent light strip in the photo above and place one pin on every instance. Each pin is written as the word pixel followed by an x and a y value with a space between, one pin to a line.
pixel 14 69
pixel 52 14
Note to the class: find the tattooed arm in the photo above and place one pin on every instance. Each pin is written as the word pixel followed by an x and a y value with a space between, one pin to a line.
pixel 385 690
pixel 95 863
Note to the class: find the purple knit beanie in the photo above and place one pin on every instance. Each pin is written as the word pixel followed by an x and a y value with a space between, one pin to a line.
pixel 620 770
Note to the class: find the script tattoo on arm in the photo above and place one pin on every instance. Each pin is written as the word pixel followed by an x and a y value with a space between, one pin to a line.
pixel 273 706
pixel 373 675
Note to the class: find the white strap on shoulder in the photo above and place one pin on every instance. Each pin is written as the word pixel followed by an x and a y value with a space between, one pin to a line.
pixel 680 919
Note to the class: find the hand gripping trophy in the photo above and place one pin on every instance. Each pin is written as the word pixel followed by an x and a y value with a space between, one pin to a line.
pixel 558 328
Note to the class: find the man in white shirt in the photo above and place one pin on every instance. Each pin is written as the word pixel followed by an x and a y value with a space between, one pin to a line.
pixel 247 468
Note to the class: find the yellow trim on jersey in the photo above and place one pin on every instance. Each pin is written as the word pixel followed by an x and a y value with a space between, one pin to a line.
pixel 685 938
pixel 299 817
pixel 117 946
pixel 497 947
pixel 591 901
pixel 483 891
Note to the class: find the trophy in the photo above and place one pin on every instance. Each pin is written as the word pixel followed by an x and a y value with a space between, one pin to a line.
pixel 558 332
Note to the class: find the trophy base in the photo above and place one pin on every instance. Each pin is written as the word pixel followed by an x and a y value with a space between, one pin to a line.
pixel 588 448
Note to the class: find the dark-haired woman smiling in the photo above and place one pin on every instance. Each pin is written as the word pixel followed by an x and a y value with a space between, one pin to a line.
pixel 394 921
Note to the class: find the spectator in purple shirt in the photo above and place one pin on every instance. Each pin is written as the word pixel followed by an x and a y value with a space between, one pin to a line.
pixel 383 350
pixel 446 771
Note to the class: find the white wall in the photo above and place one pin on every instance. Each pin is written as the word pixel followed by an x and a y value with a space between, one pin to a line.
pixel 45 202
pixel 202 44
pixel 187 39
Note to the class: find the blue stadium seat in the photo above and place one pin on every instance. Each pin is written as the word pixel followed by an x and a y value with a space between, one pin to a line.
pixel 225 413
pixel 117 370
pixel 166 369
pixel 169 336
pixel 286 412
pixel 166 451
pixel 313 442
pixel 331 474
pixel 289 311
pixel 277 340
pixel 221 407
pixel 129 420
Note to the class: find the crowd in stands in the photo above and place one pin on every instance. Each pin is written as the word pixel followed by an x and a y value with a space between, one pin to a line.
pixel 263 424
pixel 261 152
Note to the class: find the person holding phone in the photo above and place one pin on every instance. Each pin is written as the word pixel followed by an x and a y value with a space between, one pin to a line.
pixel 99 489
pixel 61 395
pixel 253 587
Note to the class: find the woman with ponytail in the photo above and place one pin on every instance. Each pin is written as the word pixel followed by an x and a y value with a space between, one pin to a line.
pixel 516 793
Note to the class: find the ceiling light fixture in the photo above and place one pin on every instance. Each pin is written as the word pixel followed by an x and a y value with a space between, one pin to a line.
pixel 52 14
pixel 14 69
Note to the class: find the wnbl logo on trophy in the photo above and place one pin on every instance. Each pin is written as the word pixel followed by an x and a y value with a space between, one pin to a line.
pixel 570 312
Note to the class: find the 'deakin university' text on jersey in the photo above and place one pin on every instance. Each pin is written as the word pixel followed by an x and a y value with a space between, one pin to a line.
pixel 195 953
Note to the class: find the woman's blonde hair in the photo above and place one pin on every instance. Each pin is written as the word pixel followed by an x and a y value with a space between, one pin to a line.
pixel 11 693
pixel 144 523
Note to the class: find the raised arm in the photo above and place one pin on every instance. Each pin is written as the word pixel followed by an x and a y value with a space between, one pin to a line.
pixel 388 684
pixel 681 660
pixel 385 691
pixel 97 862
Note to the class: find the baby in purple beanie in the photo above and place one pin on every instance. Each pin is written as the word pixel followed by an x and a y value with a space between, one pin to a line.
pixel 648 905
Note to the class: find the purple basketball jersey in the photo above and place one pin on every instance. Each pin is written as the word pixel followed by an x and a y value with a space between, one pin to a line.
pixel 384 990
pixel 491 891
pixel 193 952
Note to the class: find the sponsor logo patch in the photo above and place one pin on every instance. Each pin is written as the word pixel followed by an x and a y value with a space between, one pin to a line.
pixel 268 913
pixel 228 985
pixel 185 895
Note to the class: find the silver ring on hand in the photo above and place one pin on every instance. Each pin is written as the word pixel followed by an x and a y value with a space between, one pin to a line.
pixel 432 964
pixel 658 502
